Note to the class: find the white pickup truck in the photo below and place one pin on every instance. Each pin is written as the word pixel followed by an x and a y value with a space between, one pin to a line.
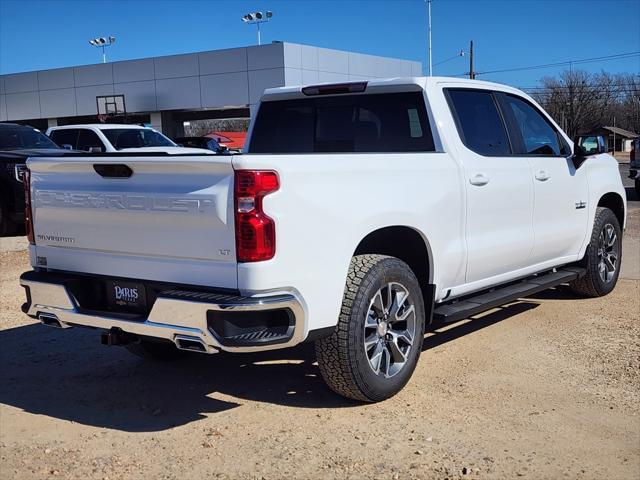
pixel 360 214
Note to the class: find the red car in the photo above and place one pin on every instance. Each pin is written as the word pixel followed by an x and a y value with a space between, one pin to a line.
pixel 232 140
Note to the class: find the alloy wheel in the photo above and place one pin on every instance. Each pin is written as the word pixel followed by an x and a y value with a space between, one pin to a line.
pixel 389 329
pixel 608 253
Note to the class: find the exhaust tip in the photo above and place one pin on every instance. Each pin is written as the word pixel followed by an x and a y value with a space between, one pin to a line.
pixel 50 320
pixel 191 344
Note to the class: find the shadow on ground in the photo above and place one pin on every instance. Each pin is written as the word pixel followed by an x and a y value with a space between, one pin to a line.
pixel 16 231
pixel 561 292
pixel 70 376
pixel 631 194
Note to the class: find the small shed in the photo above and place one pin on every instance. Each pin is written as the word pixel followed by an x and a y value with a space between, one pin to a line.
pixel 618 139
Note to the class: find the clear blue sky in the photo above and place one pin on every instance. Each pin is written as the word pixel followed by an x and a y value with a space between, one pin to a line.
pixel 507 33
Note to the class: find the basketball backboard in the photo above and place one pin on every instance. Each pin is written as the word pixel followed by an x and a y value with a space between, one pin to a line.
pixel 110 105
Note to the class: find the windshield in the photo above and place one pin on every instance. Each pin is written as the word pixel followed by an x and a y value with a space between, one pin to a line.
pixel 24 138
pixel 135 138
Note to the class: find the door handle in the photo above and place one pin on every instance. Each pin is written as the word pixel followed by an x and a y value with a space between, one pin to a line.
pixel 479 180
pixel 542 176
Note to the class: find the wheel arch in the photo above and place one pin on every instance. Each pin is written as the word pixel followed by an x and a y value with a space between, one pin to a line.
pixel 405 243
pixel 410 246
pixel 614 202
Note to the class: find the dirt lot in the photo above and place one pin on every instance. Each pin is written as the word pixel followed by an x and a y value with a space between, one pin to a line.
pixel 545 388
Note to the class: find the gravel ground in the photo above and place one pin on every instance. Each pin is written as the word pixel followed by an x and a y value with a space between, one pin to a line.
pixel 548 387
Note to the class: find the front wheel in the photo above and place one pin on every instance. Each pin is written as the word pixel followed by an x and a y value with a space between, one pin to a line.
pixel 602 258
pixel 375 347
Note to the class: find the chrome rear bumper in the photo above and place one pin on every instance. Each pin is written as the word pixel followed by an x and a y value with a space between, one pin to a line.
pixel 176 316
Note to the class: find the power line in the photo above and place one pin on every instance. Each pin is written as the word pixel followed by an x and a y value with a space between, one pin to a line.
pixel 569 62
pixel 582 85
pixel 584 88
pixel 618 56
pixel 460 54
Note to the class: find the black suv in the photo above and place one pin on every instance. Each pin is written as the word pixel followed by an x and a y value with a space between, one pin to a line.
pixel 17 143
pixel 206 143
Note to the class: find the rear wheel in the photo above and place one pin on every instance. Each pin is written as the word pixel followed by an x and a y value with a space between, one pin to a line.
pixel 375 347
pixel 163 351
pixel 602 258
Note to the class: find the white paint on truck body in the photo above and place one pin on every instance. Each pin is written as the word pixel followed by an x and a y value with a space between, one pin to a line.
pixel 172 219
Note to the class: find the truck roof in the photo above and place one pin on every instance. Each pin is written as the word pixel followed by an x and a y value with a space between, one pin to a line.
pixel 386 85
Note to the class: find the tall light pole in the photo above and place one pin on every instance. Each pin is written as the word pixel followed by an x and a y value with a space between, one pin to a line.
pixel 103 42
pixel 472 74
pixel 430 64
pixel 256 18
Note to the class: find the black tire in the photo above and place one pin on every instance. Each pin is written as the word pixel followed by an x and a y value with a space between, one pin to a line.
pixel 344 361
pixel 162 351
pixel 593 284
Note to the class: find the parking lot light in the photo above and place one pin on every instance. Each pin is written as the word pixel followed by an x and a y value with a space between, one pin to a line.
pixel 103 42
pixel 256 18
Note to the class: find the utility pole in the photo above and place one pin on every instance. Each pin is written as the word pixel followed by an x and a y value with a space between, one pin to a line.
pixel 472 74
pixel 430 63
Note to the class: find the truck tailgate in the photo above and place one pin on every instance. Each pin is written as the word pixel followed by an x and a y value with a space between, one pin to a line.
pixel 171 220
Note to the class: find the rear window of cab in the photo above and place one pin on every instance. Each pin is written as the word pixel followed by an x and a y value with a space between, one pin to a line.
pixel 387 122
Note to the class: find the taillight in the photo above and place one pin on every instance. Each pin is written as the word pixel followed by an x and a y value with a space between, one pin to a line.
pixel 255 231
pixel 28 216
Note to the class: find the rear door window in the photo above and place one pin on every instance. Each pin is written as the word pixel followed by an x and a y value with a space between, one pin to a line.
pixel 394 122
pixel 88 139
pixel 135 138
pixel 66 136
pixel 479 123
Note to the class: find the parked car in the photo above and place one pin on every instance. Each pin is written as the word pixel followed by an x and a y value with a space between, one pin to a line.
pixel 17 143
pixel 361 214
pixel 232 140
pixel 206 143
pixel 634 165
pixel 105 137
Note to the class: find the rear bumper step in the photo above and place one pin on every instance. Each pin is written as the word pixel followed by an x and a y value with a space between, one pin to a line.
pixel 482 301
pixel 197 321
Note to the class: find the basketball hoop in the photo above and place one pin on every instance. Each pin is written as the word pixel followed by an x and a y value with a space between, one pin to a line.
pixel 110 106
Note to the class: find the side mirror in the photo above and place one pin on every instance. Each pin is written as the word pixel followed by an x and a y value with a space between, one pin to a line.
pixel 586 146
pixel 95 150
pixel 66 146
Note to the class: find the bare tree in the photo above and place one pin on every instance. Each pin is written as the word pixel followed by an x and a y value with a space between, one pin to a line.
pixel 629 113
pixel 580 101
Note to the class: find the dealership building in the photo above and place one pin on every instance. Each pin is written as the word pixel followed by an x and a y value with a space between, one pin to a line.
pixel 170 90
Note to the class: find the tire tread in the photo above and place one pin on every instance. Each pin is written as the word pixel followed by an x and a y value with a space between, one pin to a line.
pixel 587 285
pixel 333 352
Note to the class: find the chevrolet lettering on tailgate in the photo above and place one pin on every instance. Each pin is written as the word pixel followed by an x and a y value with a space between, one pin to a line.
pixel 123 201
